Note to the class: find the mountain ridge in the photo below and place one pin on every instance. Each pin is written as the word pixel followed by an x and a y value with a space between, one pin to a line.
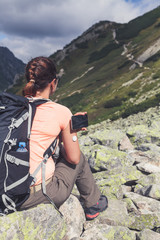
pixel 10 68
pixel 102 66
pixel 111 70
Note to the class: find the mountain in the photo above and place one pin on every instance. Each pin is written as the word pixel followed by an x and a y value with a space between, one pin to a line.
pixel 112 69
pixel 10 68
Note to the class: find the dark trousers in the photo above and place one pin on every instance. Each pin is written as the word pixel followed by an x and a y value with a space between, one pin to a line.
pixel 61 185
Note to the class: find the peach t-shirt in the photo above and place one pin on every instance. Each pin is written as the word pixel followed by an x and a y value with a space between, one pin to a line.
pixel 49 120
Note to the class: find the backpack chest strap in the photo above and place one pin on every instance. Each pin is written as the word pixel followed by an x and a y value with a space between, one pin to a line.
pixel 16 160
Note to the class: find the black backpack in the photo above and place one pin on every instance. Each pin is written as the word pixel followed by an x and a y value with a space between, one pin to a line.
pixel 16 116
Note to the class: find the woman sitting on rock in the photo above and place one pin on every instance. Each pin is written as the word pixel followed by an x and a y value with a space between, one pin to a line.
pixel 51 120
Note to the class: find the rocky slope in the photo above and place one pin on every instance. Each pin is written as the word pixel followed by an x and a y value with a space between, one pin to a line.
pixel 124 156
pixel 10 68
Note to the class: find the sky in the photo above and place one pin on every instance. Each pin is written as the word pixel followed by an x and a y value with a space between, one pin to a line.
pixel 31 28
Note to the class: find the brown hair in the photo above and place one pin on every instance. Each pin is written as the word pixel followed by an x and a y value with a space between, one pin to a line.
pixel 39 72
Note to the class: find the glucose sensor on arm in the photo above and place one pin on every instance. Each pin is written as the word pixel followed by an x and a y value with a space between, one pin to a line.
pixel 74 138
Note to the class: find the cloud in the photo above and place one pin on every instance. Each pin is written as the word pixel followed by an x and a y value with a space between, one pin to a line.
pixel 52 18
pixel 26 48
pixel 37 27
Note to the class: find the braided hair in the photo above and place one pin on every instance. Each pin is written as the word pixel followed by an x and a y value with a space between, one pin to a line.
pixel 39 72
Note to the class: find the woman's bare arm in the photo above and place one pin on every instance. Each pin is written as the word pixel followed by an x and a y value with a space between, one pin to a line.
pixel 70 148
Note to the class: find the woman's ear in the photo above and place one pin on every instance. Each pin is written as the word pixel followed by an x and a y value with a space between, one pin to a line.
pixel 53 86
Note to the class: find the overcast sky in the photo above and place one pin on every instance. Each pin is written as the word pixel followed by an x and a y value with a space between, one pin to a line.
pixel 32 28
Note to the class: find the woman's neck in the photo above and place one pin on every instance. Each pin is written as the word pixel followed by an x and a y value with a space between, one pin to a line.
pixel 42 94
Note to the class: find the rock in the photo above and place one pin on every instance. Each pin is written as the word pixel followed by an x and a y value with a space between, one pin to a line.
pixel 111 182
pixel 138 156
pixel 116 214
pixel 140 134
pixel 125 144
pixel 74 217
pixel 152 191
pixel 131 207
pixel 85 140
pixel 153 178
pixel 147 234
pixel 148 167
pixel 104 232
pixel 103 158
pixel 109 138
pixel 153 49
pixel 145 205
pixel 93 232
pixel 126 189
pixel 149 148
pixel 153 154
pixel 145 221
pixel 42 222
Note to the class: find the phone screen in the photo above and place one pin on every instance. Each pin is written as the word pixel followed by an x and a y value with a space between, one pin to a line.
pixel 79 121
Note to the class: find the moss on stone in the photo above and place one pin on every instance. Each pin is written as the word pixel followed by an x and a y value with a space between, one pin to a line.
pixel 29 230
pixel 130 205
pixel 125 236
pixel 63 231
pixel 153 178
pixel 157 194
pixel 110 182
pixel 143 221
pixel 142 134
pixel 110 234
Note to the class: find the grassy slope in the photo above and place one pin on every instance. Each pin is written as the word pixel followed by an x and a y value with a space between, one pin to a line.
pixel 101 91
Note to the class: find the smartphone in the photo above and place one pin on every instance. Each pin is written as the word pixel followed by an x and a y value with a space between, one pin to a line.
pixel 79 121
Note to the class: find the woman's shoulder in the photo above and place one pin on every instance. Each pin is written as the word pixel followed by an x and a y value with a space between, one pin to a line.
pixel 58 106
pixel 62 113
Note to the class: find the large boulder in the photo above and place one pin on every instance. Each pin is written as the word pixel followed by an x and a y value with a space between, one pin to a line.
pixel 44 222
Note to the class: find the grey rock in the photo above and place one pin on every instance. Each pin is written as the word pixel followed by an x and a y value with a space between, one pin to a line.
pixel 131 207
pixel 152 191
pixel 111 182
pixel 145 221
pixel 39 223
pixel 148 234
pixel 148 167
pixel 153 178
pixel 116 214
pixel 109 138
pixel 125 144
pixel 74 217
pixel 139 156
pixel 106 232
pixel 145 205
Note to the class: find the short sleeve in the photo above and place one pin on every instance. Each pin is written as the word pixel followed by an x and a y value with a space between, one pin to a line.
pixel 65 115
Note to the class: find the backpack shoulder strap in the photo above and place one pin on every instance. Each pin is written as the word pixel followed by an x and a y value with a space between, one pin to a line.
pixel 33 103
pixel 42 165
pixel 47 154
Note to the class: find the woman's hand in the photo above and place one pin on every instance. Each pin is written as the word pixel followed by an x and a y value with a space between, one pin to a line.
pixel 83 128
pixel 70 148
